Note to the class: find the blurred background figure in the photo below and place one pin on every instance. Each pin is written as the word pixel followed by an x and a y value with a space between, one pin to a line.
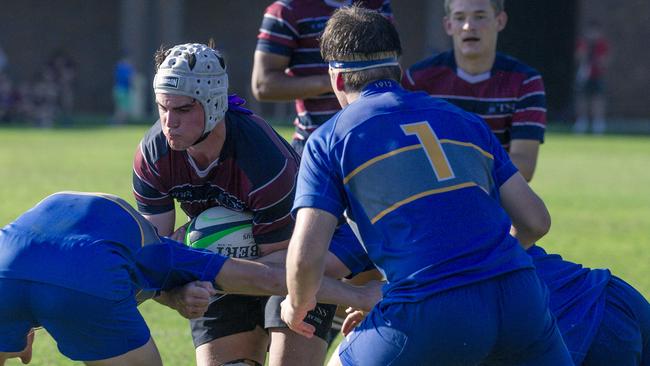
pixel 7 98
pixel 63 68
pixel 123 90
pixel 592 57
pixel 43 99
pixel 3 60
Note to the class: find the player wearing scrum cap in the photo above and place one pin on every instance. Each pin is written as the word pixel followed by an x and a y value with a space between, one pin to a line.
pixel 461 290
pixel 207 150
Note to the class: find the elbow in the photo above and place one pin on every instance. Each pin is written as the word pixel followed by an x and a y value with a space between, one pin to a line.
pixel 540 227
pixel 260 90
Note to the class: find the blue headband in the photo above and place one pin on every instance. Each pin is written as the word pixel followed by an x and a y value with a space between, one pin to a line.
pixel 345 66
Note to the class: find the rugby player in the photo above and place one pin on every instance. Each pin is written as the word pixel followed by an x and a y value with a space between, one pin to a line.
pixel 78 263
pixel 430 191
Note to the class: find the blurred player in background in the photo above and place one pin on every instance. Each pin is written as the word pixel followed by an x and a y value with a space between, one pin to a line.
pixel 288 64
pixel 79 263
pixel 207 150
pixel 592 57
pixel 446 300
pixel 506 93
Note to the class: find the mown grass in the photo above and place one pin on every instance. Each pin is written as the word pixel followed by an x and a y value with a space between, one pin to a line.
pixel 594 187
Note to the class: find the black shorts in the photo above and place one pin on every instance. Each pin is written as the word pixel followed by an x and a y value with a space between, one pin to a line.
pixel 233 314
pixel 321 317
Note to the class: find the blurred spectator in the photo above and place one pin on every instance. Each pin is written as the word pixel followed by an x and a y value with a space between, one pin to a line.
pixel 7 98
pixel 43 99
pixel 3 60
pixel 122 90
pixel 592 58
pixel 64 71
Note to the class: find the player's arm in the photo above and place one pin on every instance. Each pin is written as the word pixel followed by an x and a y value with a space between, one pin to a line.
pixel 530 218
pixel 240 276
pixel 270 82
pixel 163 222
pixel 305 264
pixel 523 154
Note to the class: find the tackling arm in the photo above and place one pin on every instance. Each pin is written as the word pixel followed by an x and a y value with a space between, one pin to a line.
pixel 530 218
pixel 240 276
pixel 163 222
pixel 269 82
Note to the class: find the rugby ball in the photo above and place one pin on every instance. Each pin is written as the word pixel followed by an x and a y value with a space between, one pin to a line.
pixel 223 231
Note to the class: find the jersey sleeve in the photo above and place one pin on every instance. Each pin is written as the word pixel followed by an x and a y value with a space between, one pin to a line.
pixel 170 264
pixel 278 33
pixel 318 185
pixel 529 118
pixel 148 190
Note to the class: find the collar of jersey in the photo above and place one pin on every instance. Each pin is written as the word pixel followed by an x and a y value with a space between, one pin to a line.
pixel 380 86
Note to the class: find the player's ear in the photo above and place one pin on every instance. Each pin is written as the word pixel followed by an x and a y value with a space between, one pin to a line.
pixel 340 84
pixel 446 24
pixel 502 20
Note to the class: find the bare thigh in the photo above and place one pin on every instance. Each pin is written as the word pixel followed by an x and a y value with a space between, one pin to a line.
pixel 247 345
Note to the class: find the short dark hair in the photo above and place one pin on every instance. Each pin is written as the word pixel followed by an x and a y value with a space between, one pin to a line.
pixel 359 34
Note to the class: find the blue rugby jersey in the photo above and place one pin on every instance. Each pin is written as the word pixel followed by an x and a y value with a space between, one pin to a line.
pixel 511 98
pixel 418 178
pixel 98 244
pixel 577 298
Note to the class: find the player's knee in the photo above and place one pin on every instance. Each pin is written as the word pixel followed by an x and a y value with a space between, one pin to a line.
pixel 241 362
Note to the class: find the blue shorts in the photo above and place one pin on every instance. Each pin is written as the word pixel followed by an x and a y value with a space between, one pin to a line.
pixel 85 327
pixel 623 338
pixel 501 321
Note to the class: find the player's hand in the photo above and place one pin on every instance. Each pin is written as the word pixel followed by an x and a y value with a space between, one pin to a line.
pixel 354 318
pixel 294 317
pixel 370 295
pixel 193 299
pixel 179 234
pixel 26 354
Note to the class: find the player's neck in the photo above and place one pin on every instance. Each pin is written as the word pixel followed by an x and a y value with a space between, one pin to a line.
pixel 208 150
pixel 475 66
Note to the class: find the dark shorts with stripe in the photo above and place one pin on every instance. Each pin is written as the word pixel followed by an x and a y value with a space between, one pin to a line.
pixel 233 314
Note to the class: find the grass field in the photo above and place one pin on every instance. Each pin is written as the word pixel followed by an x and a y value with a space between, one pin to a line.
pixel 594 187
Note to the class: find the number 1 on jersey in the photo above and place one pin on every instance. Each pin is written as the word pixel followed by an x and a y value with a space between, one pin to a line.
pixel 432 148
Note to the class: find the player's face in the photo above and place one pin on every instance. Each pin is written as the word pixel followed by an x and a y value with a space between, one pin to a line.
pixel 181 118
pixel 473 26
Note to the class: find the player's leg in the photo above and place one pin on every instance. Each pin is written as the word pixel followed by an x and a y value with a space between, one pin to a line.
pixel 92 329
pixel 231 329
pixel 142 356
pixel 598 107
pixel 581 105
pixel 289 348
pixel 528 334
pixel 624 334
pixel 16 321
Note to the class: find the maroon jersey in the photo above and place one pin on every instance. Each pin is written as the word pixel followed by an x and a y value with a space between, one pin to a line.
pixel 256 171
pixel 293 28
pixel 510 97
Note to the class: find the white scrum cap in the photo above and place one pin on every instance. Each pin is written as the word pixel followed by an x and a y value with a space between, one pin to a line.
pixel 197 71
